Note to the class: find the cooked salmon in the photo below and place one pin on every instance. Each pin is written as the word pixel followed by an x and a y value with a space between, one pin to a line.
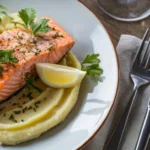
pixel 29 50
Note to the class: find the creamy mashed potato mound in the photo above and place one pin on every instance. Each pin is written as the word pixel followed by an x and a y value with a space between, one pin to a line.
pixel 27 115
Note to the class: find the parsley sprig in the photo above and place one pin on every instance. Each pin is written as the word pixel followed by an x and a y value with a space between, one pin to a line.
pixel 30 83
pixel 40 26
pixel 6 56
pixel 3 8
pixel 3 12
pixel 28 16
pixel 91 65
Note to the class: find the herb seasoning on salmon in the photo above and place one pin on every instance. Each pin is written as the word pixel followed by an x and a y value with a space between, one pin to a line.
pixel 23 49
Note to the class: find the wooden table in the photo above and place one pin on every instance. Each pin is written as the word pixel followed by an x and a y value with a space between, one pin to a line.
pixel 115 29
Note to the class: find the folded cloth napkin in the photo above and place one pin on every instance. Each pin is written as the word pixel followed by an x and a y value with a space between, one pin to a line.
pixel 126 49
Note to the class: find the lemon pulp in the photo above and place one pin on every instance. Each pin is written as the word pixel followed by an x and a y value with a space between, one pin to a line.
pixel 54 76
pixel 58 76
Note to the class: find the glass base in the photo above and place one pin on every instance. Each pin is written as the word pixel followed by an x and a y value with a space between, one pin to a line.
pixel 126 10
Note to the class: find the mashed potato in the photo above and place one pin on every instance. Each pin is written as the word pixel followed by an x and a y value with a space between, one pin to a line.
pixel 26 117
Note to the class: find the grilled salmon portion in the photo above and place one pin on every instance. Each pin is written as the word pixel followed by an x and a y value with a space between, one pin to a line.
pixel 30 49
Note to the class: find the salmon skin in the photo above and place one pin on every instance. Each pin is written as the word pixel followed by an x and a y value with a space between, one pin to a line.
pixel 29 49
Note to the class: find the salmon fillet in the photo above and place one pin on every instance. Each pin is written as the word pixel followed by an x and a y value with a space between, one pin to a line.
pixel 29 50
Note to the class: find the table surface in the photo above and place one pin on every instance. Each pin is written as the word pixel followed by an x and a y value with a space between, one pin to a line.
pixel 115 29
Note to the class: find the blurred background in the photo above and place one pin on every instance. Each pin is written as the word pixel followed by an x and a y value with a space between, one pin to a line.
pixel 114 27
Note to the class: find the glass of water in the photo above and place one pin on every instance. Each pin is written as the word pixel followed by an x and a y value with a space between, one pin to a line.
pixel 126 10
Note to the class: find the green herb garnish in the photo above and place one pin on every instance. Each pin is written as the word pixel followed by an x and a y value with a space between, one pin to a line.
pixel 37 104
pixel 17 112
pixel 29 95
pixel 14 104
pixel 3 11
pixel 5 14
pixel 30 108
pixel 91 65
pixel 37 52
pixel 30 83
pixel 2 7
pixel 2 109
pixel 23 51
pixel 28 16
pixel 12 118
pixel 40 26
pixel 50 47
pixel 6 56
pixel 24 110
pixel 58 34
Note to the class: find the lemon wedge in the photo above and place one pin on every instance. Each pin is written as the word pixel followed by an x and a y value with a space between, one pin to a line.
pixel 58 76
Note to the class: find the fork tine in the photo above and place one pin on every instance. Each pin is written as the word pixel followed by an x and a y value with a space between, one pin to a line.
pixel 141 47
pixel 148 58
pixel 144 56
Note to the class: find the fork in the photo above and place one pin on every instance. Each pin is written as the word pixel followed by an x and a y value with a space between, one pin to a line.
pixel 140 76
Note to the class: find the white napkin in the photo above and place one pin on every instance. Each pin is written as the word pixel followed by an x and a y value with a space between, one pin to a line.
pixel 127 47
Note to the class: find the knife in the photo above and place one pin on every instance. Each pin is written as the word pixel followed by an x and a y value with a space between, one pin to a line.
pixel 145 130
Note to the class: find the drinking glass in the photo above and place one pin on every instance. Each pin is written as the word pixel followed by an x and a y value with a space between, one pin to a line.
pixel 126 10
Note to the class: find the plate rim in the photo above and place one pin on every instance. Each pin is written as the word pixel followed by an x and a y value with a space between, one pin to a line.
pixel 118 81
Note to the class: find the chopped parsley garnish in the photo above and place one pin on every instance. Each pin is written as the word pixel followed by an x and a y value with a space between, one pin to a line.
pixel 28 16
pixel 30 108
pixel 23 51
pixel 58 34
pixel 34 42
pixel 2 109
pixel 12 118
pixel 20 106
pixel 34 109
pixel 14 104
pixel 24 110
pixel 29 95
pixel 6 56
pixel 30 83
pixel 91 65
pixel 37 52
pixel 37 104
pixel 17 112
pixel 50 47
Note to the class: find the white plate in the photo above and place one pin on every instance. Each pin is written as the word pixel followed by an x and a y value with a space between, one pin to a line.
pixel 96 98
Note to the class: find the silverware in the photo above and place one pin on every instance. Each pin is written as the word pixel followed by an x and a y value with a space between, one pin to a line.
pixel 145 130
pixel 140 76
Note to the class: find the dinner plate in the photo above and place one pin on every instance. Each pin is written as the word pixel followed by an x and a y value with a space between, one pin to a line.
pixel 97 95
